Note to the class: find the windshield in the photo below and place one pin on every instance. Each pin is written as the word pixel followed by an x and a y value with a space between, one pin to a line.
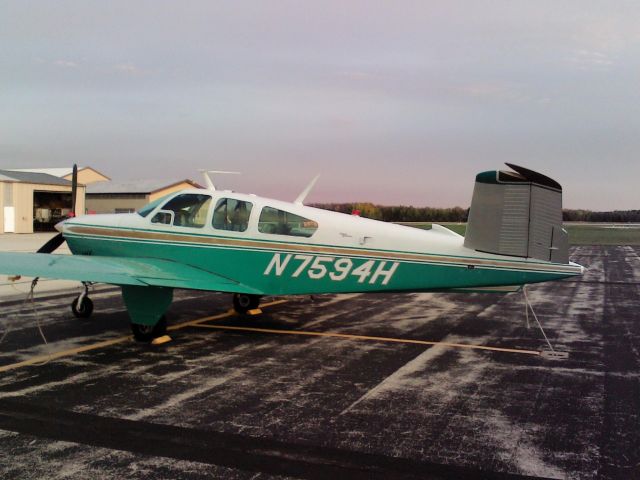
pixel 150 207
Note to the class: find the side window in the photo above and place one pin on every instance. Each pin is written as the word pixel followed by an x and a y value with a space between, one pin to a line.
pixel 279 222
pixel 231 214
pixel 186 210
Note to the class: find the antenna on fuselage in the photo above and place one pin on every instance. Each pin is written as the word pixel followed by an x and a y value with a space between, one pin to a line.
pixel 207 178
pixel 305 192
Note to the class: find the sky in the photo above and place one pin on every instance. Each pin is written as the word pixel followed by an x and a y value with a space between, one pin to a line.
pixel 391 102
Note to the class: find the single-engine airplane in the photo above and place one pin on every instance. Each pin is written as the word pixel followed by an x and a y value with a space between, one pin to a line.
pixel 207 239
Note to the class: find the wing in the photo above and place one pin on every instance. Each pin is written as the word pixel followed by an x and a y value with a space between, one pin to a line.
pixel 118 271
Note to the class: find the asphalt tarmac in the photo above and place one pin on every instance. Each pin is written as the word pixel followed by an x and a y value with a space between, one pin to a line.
pixel 332 386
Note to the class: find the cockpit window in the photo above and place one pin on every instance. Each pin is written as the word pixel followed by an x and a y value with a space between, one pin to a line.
pixel 189 210
pixel 150 207
pixel 279 222
pixel 231 214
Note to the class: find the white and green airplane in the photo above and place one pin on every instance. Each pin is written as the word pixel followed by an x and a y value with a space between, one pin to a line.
pixel 207 239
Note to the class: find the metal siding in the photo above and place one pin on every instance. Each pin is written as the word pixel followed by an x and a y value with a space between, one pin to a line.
pixel 166 191
pixel 2 204
pixel 23 202
pixel 7 194
pixel 80 200
pixel 23 197
pixel 560 250
pixel 546 212
pixel 485 217
pixel 34 178
pixel 109 205
pixel 87 176
pixel 514 231
pixel 521 220
pixel 499 219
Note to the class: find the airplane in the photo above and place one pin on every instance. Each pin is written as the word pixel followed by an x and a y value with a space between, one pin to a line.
pixel 250 246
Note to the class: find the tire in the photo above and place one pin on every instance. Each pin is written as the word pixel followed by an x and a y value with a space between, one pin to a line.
pixel 83 310
pixel 243 302
pixel 146 333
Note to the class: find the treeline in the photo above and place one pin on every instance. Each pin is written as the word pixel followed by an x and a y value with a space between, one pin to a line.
pixel 402 213
pixel 399 213
pixel 618 216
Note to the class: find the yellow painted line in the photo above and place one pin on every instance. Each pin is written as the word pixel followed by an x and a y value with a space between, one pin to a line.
pixel 114 341
pixel 230 313
pixel 367 337
pixel 63 353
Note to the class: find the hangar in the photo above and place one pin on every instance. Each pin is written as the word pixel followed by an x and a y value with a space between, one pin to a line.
pixel 34 201
pixel 127 197
pixel 86 175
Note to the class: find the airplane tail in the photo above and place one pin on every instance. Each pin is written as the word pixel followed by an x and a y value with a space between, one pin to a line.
pixel 517 213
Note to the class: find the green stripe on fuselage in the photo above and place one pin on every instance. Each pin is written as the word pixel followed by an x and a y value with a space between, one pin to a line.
pixel 250 266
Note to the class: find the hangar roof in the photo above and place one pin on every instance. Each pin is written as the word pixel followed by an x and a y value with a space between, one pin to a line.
pixel 136 186
pixel 86 175
pixel 32 177
pixel 56 172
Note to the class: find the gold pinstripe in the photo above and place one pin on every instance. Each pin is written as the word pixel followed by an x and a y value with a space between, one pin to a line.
pixel 234 242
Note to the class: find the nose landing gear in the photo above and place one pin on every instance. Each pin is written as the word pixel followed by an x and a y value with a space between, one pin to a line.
pixel 82 306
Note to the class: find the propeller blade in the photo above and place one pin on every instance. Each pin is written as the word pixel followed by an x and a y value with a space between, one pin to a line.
pixel 52 244
pixel 56 241
pixel 74 189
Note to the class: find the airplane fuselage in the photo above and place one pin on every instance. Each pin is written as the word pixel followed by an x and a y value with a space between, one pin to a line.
pixel 318 252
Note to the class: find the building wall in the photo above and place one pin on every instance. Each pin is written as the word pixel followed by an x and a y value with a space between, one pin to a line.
pixel 23 202
pixel 96 204
pixel 166 191
pixel 87 176
pixel 1 207
pixel 110 202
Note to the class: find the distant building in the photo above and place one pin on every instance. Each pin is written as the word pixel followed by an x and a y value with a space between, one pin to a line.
pixel 126 197
pixel 86 175
pixel 34 201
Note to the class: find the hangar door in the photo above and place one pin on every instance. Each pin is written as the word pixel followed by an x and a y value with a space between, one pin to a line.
pixel 49 208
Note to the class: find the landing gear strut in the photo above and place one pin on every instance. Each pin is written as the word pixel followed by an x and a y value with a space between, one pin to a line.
pixel 82 306
pixel 146 333
pixel 243 302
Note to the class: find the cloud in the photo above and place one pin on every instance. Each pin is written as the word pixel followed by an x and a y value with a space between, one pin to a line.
pixel 510 93
pixel 591 60
pixel 356 75
pixel 65 64
pixel 128 68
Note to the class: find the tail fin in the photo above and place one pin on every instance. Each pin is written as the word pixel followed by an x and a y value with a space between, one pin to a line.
pixel 517 213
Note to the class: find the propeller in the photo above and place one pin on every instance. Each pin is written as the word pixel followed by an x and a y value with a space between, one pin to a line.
pixel 58 240
pixel 52 244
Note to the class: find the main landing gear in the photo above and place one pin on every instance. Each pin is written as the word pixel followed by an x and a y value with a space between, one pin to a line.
pixel 147 307
pixel 243 302
pixel 146 333
pixel 82 306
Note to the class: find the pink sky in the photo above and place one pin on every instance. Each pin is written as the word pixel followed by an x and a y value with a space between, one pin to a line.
pixel 392 102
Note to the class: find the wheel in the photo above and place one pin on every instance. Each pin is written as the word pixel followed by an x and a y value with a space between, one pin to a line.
pixel 84 309
pixel 243 302
pixel 146 333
